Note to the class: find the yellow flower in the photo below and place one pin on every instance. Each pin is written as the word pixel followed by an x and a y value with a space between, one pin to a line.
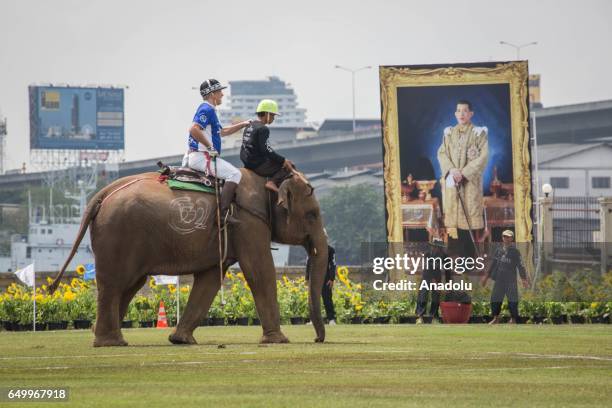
pixel 171 288
pixel 49 280
pixel 152 282
pixel 74 282
pixel 39 298
pixel 185 289
pixel 69 296
pixel 80 270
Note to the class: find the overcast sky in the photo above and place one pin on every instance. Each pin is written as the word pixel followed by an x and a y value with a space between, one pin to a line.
pixel 160 49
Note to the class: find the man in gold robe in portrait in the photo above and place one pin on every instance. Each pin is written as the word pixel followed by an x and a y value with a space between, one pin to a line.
pixel 463 157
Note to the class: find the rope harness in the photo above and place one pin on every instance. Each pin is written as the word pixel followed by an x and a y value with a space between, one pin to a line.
pixel 221 257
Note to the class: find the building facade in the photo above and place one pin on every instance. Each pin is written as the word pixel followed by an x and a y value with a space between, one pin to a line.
pixel 576 170
pixel 245 95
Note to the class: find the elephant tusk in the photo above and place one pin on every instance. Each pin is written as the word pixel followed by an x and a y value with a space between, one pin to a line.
pixel 314 251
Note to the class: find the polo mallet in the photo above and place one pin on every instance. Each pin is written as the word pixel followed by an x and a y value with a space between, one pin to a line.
pixel 219 232
pixel 458 186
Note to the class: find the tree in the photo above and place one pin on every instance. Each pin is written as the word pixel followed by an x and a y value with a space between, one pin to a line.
pixel 353 216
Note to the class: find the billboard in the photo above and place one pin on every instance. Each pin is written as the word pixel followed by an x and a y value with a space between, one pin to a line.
pixel 76 118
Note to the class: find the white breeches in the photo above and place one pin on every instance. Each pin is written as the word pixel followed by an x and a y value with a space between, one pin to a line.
pixel 225 170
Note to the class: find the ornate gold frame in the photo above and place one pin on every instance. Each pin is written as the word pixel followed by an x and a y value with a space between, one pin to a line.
pixel 513 73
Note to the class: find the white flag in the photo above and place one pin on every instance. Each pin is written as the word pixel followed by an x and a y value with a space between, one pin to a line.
pixel 26 275
pixel 166 280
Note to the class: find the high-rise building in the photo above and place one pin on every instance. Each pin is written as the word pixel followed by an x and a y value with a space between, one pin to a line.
pixel 2 143
pixel 245 95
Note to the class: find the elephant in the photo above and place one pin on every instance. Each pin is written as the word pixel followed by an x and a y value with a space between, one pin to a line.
pixel 141 227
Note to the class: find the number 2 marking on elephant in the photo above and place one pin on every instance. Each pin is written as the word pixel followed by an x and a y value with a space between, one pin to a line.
pixel 186 216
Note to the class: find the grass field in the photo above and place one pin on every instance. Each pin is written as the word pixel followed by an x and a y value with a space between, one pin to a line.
pixel 359 366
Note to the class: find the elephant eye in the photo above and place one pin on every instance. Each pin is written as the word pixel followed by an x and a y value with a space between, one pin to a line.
pixel 312 215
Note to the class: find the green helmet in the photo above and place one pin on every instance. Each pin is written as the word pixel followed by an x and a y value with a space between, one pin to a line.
pixel 268 105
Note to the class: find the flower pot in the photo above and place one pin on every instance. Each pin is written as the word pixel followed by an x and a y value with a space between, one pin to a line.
pixel 205 322
pixel 63 325
pixel 356 320
pixel 242 321
pixel 504 319
pixel 407 319
pixel 427 319
pixel 382 319
pixel 255 321
pixel 297 320
pixel 456 312
pixel 82 324
pixel 598 319
pixel 476 319
pixel 10 326
pixel 538 319
pixel 146 323
pixel 577 319
pixel 557 319
pixel 217 321
pixel 126 324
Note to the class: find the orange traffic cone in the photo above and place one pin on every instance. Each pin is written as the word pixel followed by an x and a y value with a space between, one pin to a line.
pixel 162 322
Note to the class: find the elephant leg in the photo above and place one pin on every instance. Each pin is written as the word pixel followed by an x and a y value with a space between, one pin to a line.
pixel 108 328
pixel 261 276
pixel 128 295
pixel 205 287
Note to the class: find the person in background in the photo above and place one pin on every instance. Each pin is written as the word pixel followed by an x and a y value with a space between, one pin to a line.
pixel 432 273
pixel 328 285
pixel 506 262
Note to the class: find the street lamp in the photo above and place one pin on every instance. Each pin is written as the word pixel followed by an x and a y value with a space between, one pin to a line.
pixel 353 72
pixel 518 47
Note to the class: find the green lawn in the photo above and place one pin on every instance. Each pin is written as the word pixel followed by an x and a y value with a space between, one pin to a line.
pixel 359 366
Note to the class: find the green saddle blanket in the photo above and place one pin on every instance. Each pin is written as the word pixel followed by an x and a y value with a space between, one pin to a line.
pixel 182 185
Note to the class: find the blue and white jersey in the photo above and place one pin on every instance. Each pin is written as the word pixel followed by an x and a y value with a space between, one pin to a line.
pixel 206 117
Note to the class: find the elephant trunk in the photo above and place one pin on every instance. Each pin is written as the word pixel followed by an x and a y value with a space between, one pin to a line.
pixel 316 271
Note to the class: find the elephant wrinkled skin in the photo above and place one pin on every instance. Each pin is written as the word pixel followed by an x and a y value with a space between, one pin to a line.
pixel 140 227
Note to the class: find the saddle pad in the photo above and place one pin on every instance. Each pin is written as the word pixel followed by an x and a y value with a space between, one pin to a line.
pixel 182 185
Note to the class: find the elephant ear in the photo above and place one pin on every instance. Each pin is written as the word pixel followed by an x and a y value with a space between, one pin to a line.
pixel 285 196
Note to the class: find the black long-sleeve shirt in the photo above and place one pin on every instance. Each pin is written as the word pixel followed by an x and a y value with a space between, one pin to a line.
pixel 255 148
pixel 506 262
pixel 330 275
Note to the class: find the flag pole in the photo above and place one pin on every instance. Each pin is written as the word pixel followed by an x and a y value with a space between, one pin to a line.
pixel 178 298
pixel 34 295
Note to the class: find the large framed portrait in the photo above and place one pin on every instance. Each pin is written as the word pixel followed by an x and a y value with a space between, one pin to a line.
pixel 456 151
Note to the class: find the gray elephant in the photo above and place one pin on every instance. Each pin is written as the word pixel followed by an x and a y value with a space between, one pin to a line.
pixel 140 227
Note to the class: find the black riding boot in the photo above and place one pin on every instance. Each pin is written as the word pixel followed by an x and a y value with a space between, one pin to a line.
pixel 227 196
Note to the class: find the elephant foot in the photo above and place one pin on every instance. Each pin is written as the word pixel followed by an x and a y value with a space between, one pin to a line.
pixel 109 341
pixel 181 338
pixel 319 339
pixel 274 338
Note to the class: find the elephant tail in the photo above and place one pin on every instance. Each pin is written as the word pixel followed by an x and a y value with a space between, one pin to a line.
pixel 90 213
